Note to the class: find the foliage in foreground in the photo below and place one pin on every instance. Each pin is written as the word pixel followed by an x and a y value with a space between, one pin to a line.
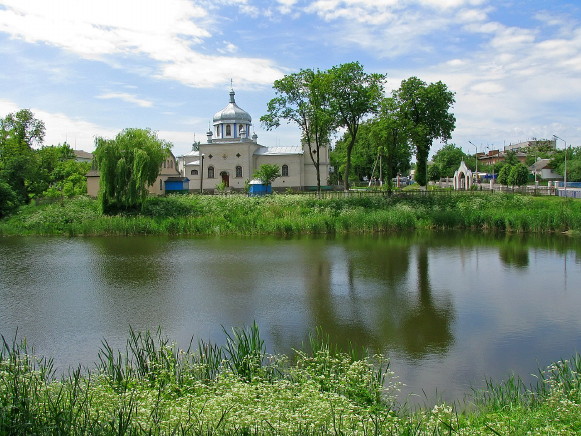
pixel 301 214
pixel 154 388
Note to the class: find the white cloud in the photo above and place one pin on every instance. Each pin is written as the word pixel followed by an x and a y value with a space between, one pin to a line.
pixel 117 31
pixel 126 97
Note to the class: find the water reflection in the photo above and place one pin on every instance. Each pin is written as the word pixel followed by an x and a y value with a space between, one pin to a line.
pixel 440 304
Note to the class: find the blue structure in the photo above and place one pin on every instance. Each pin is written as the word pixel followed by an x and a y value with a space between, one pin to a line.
pixel 256 188
pixel 177 185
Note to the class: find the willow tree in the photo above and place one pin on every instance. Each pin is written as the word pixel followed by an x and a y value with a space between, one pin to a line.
pixel 426 108
pixel 128 165
pixel 353 95
pixel 301 98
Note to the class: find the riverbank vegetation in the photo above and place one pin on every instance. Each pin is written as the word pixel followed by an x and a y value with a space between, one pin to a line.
pixel 301 214
pixel 154 388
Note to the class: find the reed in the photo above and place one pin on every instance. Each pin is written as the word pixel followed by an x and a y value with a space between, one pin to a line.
pixel 302 214
pixel 154 388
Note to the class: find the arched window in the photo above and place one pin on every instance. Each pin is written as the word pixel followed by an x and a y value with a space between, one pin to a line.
pixel 241 130
pixel 210 172
pixel 285 170
pixel 228 130
pixel 194 172
pixel 171 163
pixel 238 171
pixel 217 131
pixel 160 185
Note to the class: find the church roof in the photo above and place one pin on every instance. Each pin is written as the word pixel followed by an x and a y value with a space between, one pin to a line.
pixel 233 112
pixel 270 151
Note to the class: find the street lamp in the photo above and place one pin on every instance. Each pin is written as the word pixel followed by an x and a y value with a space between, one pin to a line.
pixel 202 175
pixel 565 175
pixel 476 156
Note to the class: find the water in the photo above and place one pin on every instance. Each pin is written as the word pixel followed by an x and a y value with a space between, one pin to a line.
pixel 448 309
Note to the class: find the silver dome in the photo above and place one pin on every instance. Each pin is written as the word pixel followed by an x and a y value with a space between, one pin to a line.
pixel 233 112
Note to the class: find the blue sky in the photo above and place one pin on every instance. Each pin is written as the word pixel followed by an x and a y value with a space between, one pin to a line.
pixel 92 68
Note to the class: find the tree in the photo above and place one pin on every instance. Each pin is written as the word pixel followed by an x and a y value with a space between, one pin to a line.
pixel 426 107
pixel 302 99
pixel 127 165
pixel 519 175
pixel 19 132
pixel 448 159
pixel 389 134
pixel 503 175
pixel 352 95
pixel 57 171
pixel 573 163
pixel 8 199
pixel 267 173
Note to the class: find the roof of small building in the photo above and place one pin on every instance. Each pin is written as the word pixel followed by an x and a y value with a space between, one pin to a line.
pixel 279 150
pixel 81 154
pixel 540 164
pixel 177 179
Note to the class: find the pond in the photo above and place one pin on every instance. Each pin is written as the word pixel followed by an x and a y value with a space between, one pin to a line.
pixel 449 309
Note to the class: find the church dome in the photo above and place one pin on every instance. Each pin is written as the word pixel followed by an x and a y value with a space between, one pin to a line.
pixel 233 112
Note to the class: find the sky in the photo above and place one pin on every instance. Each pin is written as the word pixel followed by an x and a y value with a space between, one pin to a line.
pixel 89 69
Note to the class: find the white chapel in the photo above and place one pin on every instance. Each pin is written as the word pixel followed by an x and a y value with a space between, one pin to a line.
pixel 230 156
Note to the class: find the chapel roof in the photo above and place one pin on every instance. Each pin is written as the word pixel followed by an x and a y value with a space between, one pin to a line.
pixel 233 112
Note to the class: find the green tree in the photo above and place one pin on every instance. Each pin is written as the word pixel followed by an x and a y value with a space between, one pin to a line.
pixel 448 159
pixel 267 173
pixel 56 167
pixel 128 165
pixel 503 175
pixel 8 199
pixel 352 94
pixel 19 132
pixel 426 108
pixel 518 175
pixel 434 172
pixel 301 98
pixel 573 163
pixel 389 133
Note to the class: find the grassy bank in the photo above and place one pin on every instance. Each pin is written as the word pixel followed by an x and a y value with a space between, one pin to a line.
pixel 298 214
pixel 153 388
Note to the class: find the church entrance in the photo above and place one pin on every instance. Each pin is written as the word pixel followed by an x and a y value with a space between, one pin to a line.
pixel 225 178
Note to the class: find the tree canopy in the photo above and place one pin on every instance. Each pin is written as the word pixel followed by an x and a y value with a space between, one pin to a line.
pixel 353 95
pixel 128 165
pixel 448 159
pixel 267 173
pixel 426 108
pixel 301 98
pixel 19 132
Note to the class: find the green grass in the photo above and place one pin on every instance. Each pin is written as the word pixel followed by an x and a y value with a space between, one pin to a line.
pixel 154 388
pixel 302 214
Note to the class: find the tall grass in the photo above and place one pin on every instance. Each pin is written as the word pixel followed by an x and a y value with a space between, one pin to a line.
pixel 154 388
pixel 298 214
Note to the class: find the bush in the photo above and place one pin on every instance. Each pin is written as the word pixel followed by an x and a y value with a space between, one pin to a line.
pixel 8 199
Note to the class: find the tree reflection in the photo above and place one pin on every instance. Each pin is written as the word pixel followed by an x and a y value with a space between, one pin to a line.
pixel 379 303
pixel 426 328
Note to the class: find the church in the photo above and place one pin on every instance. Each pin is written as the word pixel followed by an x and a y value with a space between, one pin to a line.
pixel 231 155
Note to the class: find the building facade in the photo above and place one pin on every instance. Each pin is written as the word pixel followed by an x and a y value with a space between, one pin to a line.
pixel 230 156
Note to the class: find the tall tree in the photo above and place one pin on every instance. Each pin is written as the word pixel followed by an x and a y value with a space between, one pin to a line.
pixel 128 165
pixel 353 94
pixel 301 98
pixel 390 135
pixel 426 107
pixel 19 132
